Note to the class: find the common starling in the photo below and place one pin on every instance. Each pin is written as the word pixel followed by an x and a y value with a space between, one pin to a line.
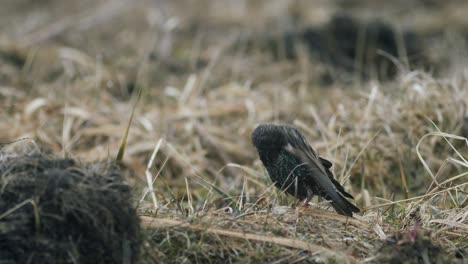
pixel 295 167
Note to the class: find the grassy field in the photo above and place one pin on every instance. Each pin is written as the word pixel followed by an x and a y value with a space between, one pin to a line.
pixel 380 89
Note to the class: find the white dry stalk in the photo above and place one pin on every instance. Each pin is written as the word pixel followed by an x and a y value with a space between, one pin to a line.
pixel 19 206
pixel 365 121
pixel 33 106
pixel 379 231
pixel 240 200
pixel 188 88
pixel 189 196
pixel 149 177
pixel 66 131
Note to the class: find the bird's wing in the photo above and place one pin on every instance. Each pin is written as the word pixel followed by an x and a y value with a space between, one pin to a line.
pixel 318 172
pixel 327 164
pixel 321 175
pixel 299 148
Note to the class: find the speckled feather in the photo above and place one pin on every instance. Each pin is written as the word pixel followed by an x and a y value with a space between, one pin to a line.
pixel 296 168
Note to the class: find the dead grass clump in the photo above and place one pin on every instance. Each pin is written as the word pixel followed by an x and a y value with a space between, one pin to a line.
pixel 56 210
pixel 379 136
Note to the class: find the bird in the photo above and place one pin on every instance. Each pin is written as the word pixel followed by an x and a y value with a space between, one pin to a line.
pixel 295 167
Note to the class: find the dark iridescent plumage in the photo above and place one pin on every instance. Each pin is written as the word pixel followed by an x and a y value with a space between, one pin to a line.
pixel 295 167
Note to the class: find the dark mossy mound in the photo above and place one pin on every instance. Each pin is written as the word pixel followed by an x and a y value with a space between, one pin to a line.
pixel 60 211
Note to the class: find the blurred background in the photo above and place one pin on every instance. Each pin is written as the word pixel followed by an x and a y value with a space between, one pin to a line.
pixel 233 40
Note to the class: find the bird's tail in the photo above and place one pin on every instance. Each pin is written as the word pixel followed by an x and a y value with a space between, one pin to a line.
pixel 343 206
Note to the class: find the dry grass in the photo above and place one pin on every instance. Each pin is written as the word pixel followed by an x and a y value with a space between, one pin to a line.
pixel 399 147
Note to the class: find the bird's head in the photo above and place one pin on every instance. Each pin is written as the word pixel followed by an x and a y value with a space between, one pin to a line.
pixel 269 140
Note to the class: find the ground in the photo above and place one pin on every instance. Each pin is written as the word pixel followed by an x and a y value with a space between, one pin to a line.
pixel 378 88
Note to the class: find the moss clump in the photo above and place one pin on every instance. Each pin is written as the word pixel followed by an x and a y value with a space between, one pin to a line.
pixel 59 211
